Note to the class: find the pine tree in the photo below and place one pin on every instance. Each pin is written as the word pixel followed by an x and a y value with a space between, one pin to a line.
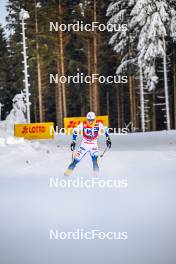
pixel 151 19
pixel 4 74
pixel 124 45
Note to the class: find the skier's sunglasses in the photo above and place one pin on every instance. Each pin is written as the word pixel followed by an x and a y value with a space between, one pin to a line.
pixel 90 120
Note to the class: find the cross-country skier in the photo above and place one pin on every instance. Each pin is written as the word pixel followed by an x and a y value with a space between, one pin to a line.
pixel 90 130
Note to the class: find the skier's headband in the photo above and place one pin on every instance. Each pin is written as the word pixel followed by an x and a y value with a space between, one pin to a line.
pixel 91 119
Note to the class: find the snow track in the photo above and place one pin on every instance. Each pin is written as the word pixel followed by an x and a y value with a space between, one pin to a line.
pixel 146 209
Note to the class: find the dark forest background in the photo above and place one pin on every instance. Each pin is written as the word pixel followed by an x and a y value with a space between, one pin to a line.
pixel 67 53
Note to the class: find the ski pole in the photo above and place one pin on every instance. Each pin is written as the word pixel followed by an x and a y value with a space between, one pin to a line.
pixel 101 156
pixel 72 155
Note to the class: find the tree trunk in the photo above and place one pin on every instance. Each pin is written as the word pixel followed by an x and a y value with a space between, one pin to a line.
pixel 62 64
pixel 35 107
pixel 142 100
pixel 122 106
pixel 153 111
pixel 166 88
pixel 119 105
pixel 89 73
pixel 107 101
pixel 59 106
pixel 134 104
pixel 130 81
pixel 39 75
pixel 95 103
pixel 174 82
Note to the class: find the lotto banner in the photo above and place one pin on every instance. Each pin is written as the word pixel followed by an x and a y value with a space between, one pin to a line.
pixel 34 131
pixel 71 122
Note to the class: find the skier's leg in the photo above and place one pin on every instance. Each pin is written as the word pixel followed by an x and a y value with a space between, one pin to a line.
pixel 79 155
pixel 94 156
pixel 95 163
pixel 73 164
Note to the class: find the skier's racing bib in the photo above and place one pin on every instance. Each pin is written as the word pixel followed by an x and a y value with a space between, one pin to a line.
pixel 90 133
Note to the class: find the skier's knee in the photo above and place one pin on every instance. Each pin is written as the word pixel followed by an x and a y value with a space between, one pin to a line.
pixel 95 163
pixel 76 161
pixel 73 164
pixel 95 158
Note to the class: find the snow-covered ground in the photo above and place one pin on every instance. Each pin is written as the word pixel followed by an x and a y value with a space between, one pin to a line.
pixel 29 208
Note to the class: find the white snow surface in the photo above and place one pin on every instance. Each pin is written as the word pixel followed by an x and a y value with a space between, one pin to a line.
pixel 146 209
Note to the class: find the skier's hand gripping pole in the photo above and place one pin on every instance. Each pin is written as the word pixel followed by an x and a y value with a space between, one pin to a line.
pixel 108 146
pixel 72 147
pixel 108 143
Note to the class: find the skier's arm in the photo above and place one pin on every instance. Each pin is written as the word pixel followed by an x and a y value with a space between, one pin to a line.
pixel 76 131
pixel 75 134
pixel 108 139
pixel 106 132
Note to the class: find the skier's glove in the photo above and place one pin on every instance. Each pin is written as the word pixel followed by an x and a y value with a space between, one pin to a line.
pixel 73 145
pixel 108 143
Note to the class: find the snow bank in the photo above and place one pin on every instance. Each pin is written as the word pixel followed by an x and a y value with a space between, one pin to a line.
pixel 146 209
